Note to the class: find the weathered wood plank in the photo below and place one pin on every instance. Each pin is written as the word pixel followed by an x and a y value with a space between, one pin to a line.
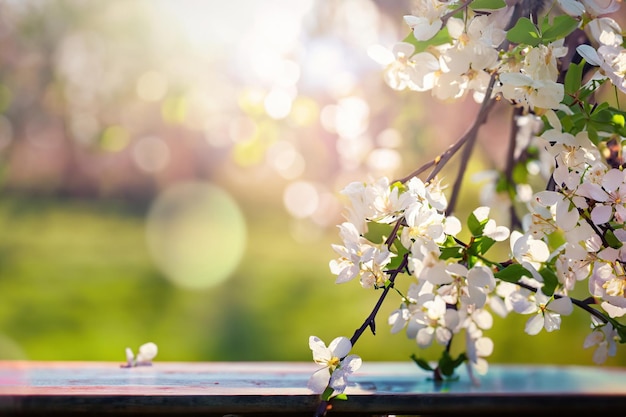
pixel 256 388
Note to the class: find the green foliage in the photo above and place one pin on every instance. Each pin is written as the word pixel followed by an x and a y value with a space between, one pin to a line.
pixel 524 32
pixel 612 240
pixel 527 33
pixel 573 78
pixel 327 394
pixel 475 226
pixel 488 4
pixel 440 38
pixel 377 232
pixel 512 273
pixel 447 364
pixel 422 363
pixel 561 26
pixel 550 280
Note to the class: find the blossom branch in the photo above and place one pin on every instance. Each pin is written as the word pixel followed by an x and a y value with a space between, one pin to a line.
pixel 583 304
pixel 324 405
pixel 370 320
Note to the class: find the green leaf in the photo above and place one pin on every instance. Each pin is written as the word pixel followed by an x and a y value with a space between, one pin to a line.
pixel 524 32
pixel 512 273
pixel 342 397
pixel 376 232
pixel 618 119
pixel 475 226
pixel 482 244
pixel 454 252
pixel 520 175
pixel 550 280
pixel 447 364
pixel 488 4
pixel 562 26
pixel 439 39
pixel 573 78
pixel 612 240
pixel 396 261
pixel 422 363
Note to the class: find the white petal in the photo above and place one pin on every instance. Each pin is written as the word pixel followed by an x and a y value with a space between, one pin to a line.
pixel 534 324
pixel 340 346
pixel 427 30
pixel 147 352
pixel 566 218
pixel 515 79
pixel 593 339
pixel 130 356
pixel 425 337
pixel 339 381
pixel 483 319
pixel 351 363
pixel 481 213
pixel 484 346
pixel 612 180
pixel 452 226
pixel 600 355
pixel 551 321
pixel 319 380
pixel 601 214
pixel 402 49
pixel 572 7
pixel 380 54
pixel 562 305
pixel 612 310
pixel 590 54
pixel 321 354
pixel 522 305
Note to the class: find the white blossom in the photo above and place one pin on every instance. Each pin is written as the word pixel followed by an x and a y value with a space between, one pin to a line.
pixel 547 311
pixel 336 364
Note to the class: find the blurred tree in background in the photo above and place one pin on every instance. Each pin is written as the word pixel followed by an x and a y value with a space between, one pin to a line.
pixel 170 173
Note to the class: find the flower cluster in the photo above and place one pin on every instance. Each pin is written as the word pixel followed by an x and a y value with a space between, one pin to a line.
pixel 565 230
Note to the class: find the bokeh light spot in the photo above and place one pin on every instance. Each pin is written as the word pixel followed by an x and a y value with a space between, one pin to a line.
pixel 151 154
pixel 304 111
pixel 84 127
pixel 114 138
pixel 301 199
pixel 151 86
pixel 286 160
pixel 196 234
pixel 174 109
pixel 278 104
pixel 384 161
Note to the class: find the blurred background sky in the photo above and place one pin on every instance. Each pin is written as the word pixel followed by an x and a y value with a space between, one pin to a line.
pixel 170 171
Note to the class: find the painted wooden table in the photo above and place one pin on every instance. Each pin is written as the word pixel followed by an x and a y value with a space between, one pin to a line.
pixel 279 389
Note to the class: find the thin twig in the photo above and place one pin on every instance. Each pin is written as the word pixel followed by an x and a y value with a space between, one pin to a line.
pixel 510 163
pixel 323 406
pixel 468 139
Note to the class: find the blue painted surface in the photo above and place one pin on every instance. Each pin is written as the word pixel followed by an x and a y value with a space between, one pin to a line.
pixel 279 389
pixel 372 377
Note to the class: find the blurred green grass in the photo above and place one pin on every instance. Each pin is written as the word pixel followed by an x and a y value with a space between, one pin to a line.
pixel 77 283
